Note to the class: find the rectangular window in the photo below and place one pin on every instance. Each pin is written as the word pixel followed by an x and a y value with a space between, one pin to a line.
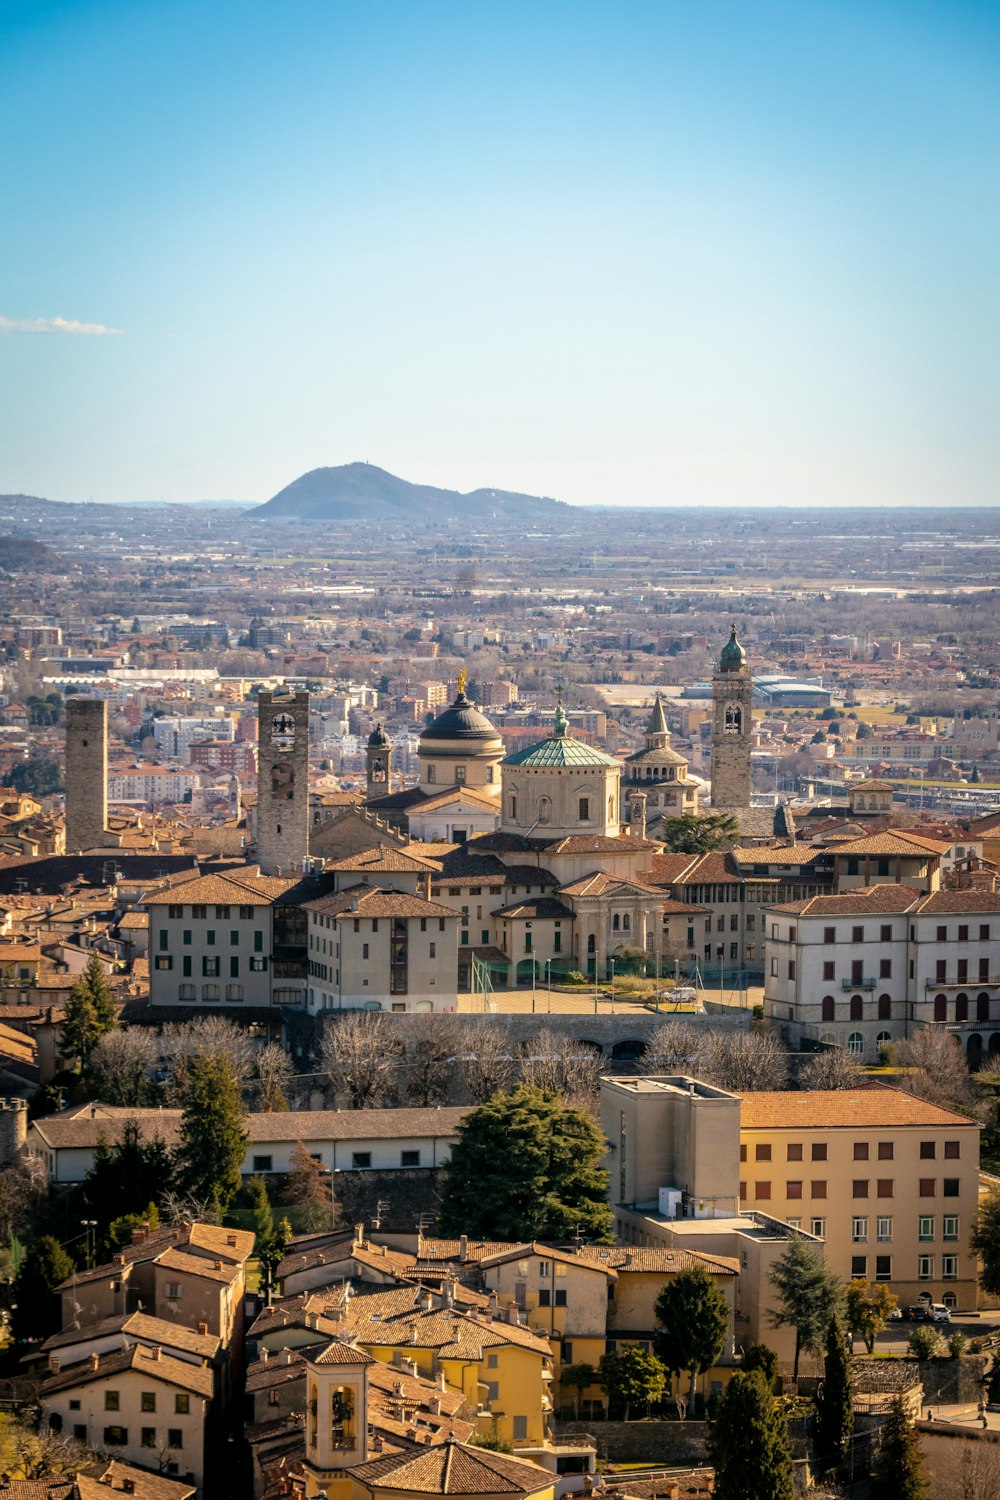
pixel 111 1401
pixel 925 1268
pixel 819 1151
pixel 147 1401
pixel 884 1187
pixel 859 1187
pixel 925 1227
pixel 164 937
pixel 560 1298
pixel 520 1429
pixel 818 1228
pixel 927 1187
pixel 952 1150
pixel 210 937
pixel 364 950
pixel 949 1268
pixel 885 968
pixel 762 1190
pixel 584 809
pixel 762 1153
pixel 172 1291
pixel 210 968
pixel 263 1163
pixel 857 934
pixel 164 961
pixel 794 1151
pixel 859 1267
pixel 186 965
pixel 793 1190
pixel 544 1297
pixel 182 1405
pixel 175 1437
pixel 234 967
pixel 177 912
pixel 860 1150
pixel 829 969
pixel 859 1230
pixel 234 937
pixel 115 1437
pixel 829 934
pixel 886 932
pixel 949 1227
pixel 950 1187
pixel 883 1268
pixel 409 1158
pixel 928 1150
pixel 148 1438
pixel 743 1152
pixel 361 1159
pixel 818 1189
pixel 886 1150
pixel 883 1231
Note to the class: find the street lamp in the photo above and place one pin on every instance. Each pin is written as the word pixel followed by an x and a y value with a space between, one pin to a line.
pixel 548 981
pixel 612 986
pixel 88 1226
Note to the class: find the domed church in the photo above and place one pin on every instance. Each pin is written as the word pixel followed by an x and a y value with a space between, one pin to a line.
pixel 460 748
pixel 561 787
pixel 661 773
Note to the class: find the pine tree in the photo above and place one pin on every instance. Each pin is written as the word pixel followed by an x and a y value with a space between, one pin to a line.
pixel 810 1294
pixel 213 1140
pixel 526 1167
pixel 260 1206
pixel 127 1175
pixel 37 1313
pixel 748 1443
pixel 694 1316
pixel 834 1403
pixel 91 1010
pixel 899 1468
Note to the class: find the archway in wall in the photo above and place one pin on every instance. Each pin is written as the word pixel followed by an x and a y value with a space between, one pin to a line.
pixel 525 969
pixel 628 1050
pixel 974 1051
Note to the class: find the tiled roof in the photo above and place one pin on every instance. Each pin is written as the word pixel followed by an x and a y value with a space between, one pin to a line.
pixel 596 843
pixel 216 890
pixel 561 750
pixel 453 1469
pixel 941 902
pixel 197 1265
pixel 545 1252
pixel 600 883
pixel 366 901
pixel 149 1362
pixel 780 854
pixel 535 907
pixel 892 842
pixel 852 1109
pixel 529 875
pixel 141 1326
pixel 877 900
pixel 655 1258
pixel 111 1480
pixel 339 1353
pixel 457 794
pixel 384 858
pixel 667 868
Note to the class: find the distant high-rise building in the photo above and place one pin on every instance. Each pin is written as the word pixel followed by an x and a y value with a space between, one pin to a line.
pixel 86 774
pixel 282 782
pixel 732 723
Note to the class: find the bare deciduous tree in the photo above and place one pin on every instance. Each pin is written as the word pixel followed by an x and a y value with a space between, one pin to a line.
pixel 486 1059
pixel 310 1189
pixel 934 1068
pixel 557 1063
pixel 360 1050
pixel 743 1061
pixel 833 1069
pixel 674 1047
pixel 274 1071
pixel 431 1061
pixel 22 1189
pixel 121 1065
pixel 207 1036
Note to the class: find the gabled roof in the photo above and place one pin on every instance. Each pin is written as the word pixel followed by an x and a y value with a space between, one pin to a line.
pixel 868 900
pixel 384 858
pixel 892 842
pixel 600 883
pixel 150 1363
pixel 541 908
pixel 850 1109
pixel 597 843
pixel 453 1469
pixel 373 901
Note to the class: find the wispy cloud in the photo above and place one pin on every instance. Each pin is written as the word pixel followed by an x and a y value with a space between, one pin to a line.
pixel 54 325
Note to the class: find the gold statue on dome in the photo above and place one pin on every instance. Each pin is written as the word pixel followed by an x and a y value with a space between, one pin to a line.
pixel 463 678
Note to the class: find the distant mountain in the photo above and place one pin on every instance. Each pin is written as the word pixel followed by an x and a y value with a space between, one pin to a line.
pixel 21 554
pixel 362 492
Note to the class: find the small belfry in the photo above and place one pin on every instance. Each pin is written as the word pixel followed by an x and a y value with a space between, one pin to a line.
pixel 732 727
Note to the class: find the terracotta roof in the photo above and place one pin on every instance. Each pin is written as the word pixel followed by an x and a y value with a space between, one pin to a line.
pixel 385 858
pixel 149 1362
pixel 892 842
pixel 339 1353
pixel 869 900
pixel 457 794
pixel 368 901
pixel 853 1109
pixel 595 843
pixel 777 854
pixel 535 907
pixel 667 869
pixel 111 1480
pixel 143 1327
pixel 655 1258
pixel 545 1252
pixel 941 902
pixel 600 883
pixel 219 890
pixel 197 1265
pixel 453 1469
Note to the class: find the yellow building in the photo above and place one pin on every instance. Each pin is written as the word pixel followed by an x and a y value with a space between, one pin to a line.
pixel 563 1297
pixel 889 1182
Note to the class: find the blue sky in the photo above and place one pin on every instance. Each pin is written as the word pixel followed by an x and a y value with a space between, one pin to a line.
pixel 643 253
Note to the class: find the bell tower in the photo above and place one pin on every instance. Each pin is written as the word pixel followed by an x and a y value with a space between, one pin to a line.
pixel 336 1408
pixel 732 727
pixel 378 760
pixel 282 781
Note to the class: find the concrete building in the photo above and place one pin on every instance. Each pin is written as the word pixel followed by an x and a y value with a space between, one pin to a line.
pixel 377 948
pixel 86 774
pixel 732 725
pixel 282 819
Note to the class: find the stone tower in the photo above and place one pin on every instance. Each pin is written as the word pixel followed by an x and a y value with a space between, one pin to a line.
pixel 378 762
pixel 13 1130
pixel 86 774
pixel 732 692
pixel 282 781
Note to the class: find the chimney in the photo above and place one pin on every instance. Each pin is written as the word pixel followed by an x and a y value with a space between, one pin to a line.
pixel 128 1486
pixel 203 1329
pixel 95 1359
pixel 359 1234
pixel 427 1301
pixel 463 1248
pixel 155 1352
pixel 55 1364
pixel 265 1355
pixel 231 1240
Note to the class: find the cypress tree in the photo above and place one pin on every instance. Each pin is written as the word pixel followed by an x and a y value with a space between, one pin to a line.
pixel 694 1316
pixel 37 1313
pixel 213 1140
pixel 834 1404
pixel 899 1469
pixel 748 1443
pixel 91 1010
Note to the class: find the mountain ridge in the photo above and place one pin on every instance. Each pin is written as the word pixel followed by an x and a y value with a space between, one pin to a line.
pixel 363 491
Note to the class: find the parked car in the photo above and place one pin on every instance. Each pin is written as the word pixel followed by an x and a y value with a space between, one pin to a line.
pixel 939 1313
pixel 918 1314
pixel 898 1314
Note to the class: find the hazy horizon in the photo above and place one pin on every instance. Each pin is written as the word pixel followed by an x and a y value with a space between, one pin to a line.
pixel 646 255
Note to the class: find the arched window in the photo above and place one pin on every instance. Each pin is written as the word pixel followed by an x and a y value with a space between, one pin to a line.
pixel 626 922
pixel 883 1039
pixel 513 808
pixel 544 809
pixel 591 944
pixel 829 1008
pixel 857 1008
pixel 856 1044
pixel 885 1007
pixel 616 922
pixel 974 1052
pixel 961 1007
pixel 982 1007
pixel 234 992
pixel 940 1007
pixel 733 720
pixel 611 809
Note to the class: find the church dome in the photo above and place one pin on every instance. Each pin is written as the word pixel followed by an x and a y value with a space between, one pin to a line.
pixel 733 658
pixel 462 721
pixel 560 749
pixel 378 739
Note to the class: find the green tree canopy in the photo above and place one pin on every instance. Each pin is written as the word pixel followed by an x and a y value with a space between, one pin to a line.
pixel 867 1309
pixel 986 1242
pixel 834 1400
pixel 763 1358
pixel 898 1472
pixel 210 1151
pixel 526 1167
pixel 37 1312
pixel 631 1377
pixel 699 833
pixel 693 1316
pixel 748 1443
pixel 578 1376
pixel 127 1175
pixel 91 1011
pixel 37 776
pixel 809 1294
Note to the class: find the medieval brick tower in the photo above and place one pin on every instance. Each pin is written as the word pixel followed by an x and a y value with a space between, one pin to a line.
pixel 86 774
pixel 732 693
pixel 282 782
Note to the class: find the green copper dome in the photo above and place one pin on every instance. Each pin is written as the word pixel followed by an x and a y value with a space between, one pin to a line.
pixel 733 658
pixel 560 749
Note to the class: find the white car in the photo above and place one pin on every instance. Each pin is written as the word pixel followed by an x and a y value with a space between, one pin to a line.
pixel 938 1313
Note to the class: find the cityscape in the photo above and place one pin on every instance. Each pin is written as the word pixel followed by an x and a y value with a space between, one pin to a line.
pixel 499 989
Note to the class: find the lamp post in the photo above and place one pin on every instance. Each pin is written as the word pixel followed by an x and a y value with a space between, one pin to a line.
pixel 612 986
pixel 548 982
pixel 90 1230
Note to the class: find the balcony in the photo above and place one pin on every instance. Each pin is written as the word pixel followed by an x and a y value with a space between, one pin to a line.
pixel 857 984
pixel 971 982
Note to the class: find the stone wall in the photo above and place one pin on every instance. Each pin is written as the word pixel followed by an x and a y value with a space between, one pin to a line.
pixel 643 1442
